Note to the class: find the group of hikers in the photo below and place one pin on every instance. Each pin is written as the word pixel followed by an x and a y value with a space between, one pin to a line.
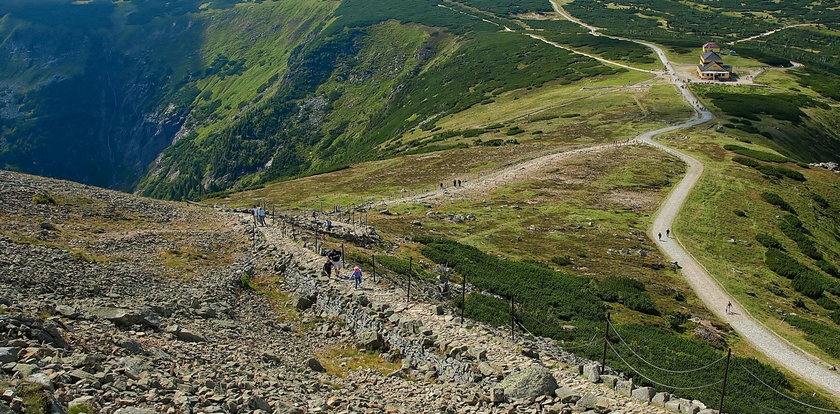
pixel 455 183
pixel 334 264
pixel 259 215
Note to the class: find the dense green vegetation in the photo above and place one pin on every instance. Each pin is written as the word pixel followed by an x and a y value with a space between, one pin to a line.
pixel 340 101
pixel 546 300
pixel 759 155
pixel 770 170
pixel 571 34
pixel 691 23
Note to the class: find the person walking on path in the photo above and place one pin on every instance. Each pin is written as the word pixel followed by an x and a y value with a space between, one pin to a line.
pixel 335 257
pixel 262 217
pixel 729 307
pixel 668 233
pixel 256 213
pixel 328 267
pixel 660 236
pixel 356 277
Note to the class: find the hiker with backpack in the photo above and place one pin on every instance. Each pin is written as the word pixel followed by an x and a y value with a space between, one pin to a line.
pixel 335 258
pixel 255 211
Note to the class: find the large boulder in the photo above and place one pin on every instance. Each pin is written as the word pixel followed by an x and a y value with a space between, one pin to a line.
pixel 134 410
pixel 9 354
pixel 370 340
pixel 643 394
pixel 531 382
pixel 125 318
pixel 315 365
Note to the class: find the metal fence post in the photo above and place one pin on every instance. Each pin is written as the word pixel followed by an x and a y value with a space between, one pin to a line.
pixel 725 379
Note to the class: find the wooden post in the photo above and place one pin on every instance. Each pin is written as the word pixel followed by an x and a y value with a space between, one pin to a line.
pixel 512 318
pixel 373 266
pixel 463 297
pixel 408 291
pixel 606 338
pixel 725 379
pixel 343 259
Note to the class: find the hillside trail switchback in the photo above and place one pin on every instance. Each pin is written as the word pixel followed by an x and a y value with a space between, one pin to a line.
pixel 707 288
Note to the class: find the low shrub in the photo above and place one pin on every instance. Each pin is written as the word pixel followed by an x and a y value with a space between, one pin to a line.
pixel 768 241
pixel 810 284
pixel 792 227
pixel 740 213
pixel 825 337
pixel 777 201
pixel 827 303
pixel 627 291
pixel 829 268
pixel 562 261
pixel 759 155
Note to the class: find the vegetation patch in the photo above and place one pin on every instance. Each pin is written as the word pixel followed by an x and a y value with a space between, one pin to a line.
pixel 342 359
pixel 824 336
pixel 759 155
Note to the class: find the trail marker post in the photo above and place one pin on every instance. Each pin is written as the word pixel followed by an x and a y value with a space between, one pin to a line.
pixel 512 318
pixel 725 379
pixel 606 338
pixel 408 290
pixel 463 297
pixel 373 266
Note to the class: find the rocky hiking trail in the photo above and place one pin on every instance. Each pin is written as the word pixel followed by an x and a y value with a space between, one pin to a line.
pixel 113 331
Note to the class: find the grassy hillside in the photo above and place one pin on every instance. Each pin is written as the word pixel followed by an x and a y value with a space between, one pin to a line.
pixel 774 224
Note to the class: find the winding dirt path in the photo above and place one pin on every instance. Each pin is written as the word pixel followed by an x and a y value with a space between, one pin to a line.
pixel 707 288
pixel 746 39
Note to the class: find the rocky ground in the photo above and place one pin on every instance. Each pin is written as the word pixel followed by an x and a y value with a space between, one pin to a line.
pixel 110 303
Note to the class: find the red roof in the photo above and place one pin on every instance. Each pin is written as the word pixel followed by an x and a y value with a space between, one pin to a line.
pixel 711 45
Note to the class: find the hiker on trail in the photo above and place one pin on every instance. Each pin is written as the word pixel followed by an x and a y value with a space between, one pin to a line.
pixel 262 217
pixel 729 307
pixel 329 225
pixel 454 183
pixel 256 213
pixel 328 268
pixel 335 258
pixel 356 277
pixel 660 236
pixel 668 233
pixel 459 183
pixel 441 186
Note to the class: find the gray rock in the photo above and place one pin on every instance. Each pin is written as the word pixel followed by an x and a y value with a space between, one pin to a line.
pixel 477 353
pixel 660 399
pixel 134 410
pixel 81 402
pixel 9 354
pixel 303 303
pixel 315 365
pixel 708 411
pixel 643 393
pixel 370 340
pixel 189 336
pixel 488 370
pixel 673 406
pixel 609 381
pixel 567 395
pixel 130 345
pixel 67 311
pixel 125 318
pixel 497 395
pixel 587 402
pixel 531 382
pixel 625 387
pixel 40 379
pixel 592 372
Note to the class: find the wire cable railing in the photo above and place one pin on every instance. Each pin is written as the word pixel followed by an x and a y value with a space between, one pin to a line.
pixel 672 371
pixel 673 387
pixel 804 404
